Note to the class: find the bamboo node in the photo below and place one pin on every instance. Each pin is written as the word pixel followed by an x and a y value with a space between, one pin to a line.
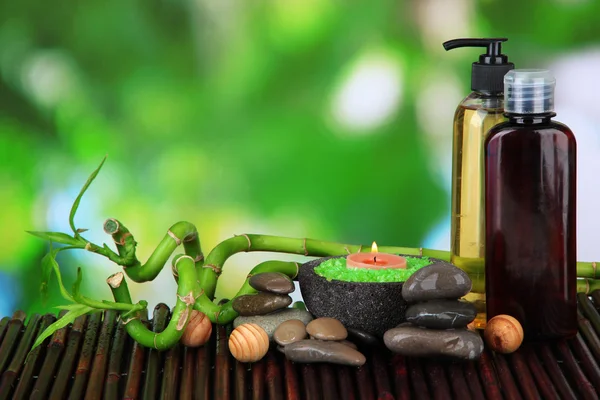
pixel 420 252
pixel 188 298
pixel 297 270
pixel 174 271
pixel 215 268
pixel 249 276
pixel 359 248
pixel 191 237
pixel 594 265
pixel 175 238
pixel 124 236
pixel 199 294
pixel 183 317
pixel 128 320
pixel 174 267
pixel 587 286
pixel 155 345
pixel 347 250
pixel 248 239
pixel 304 245
pixel 88 246
pixel 199 258
pixel 115 280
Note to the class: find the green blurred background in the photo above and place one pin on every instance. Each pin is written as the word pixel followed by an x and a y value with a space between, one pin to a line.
pixel 302 118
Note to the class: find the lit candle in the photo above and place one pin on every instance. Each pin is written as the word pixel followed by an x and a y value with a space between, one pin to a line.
pixel 375 260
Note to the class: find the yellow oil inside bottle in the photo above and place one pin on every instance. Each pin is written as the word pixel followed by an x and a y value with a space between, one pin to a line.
pixel 474 118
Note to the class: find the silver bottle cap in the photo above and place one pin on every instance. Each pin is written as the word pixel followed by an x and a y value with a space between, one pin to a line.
pixel 529 91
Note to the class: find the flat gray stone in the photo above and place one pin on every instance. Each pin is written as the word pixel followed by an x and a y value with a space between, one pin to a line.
pixel 260 303
pixel 414 341
pixel 290 331
pixel 274 282
pixel 270 322
pixel 362 337
pixel 440 280
pixel 441 314
pixel 317 351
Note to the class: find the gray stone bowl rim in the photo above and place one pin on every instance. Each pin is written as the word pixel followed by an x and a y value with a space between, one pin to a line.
pixel 315 264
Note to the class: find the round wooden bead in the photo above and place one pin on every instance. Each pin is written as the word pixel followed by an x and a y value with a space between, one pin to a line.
pixel 248 343
pixel 503 334
pixel 198 330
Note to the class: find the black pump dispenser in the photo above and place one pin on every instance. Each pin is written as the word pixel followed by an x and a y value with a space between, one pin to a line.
pixel 488 73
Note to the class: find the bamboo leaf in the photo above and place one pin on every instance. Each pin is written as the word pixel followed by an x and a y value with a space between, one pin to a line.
pixel 76 286
pixel 80 195
pixel 76 311
pixel 50 259
pixel 69 306
pixel 58 237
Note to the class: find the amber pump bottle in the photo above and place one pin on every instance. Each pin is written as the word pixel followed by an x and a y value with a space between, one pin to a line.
pixel 474 117
pixel 530 258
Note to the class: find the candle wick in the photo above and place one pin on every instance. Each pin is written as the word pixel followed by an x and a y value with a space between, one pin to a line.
pixel 375 259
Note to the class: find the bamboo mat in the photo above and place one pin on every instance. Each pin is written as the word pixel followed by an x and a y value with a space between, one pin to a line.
pixel 94 358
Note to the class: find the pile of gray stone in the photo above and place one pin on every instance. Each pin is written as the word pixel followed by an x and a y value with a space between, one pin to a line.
pixel 436 319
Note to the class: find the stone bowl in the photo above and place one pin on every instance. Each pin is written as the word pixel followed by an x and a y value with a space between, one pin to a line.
pixel 373 307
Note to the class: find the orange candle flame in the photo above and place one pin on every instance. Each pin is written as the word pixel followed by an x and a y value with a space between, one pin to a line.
pixel 374 248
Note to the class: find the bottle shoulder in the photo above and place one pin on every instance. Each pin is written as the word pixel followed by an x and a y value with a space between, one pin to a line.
pixel 478 101
pixel 512 129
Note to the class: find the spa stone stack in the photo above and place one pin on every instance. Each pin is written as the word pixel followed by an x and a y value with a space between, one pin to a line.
pixel 436 318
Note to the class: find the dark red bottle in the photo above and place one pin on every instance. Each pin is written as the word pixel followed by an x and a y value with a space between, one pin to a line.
pixel 530 178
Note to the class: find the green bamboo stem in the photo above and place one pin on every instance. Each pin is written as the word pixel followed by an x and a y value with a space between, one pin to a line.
pixel 184 266
pixel 180 233
pixel 225 314
pixel 209 272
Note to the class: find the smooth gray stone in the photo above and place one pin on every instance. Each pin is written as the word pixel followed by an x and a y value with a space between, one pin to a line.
pixel 290 331
pixel 440 280
pixel 260 303
pixel 414 341
pixel 315 351
pixel 441 314
pixel 274 282
pixel 270 322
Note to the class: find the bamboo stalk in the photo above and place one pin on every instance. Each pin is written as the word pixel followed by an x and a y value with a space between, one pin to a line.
pixel 311 382
pixel 3 326
pixel 170 381
pixel 134 371
pixel 383 387
pixel 221 389
pixel 585 388
pixel 202 387
pixel 328 382
pixel 155 357
pixel 10 341
pixel 184 267
pixel 437 380
pixel 400 377
pixel 180 233
pixel 98 370
pixel 51 362
pixel 33 362
pixel 488 376
pixel 589 311
pixel 113 378
pixel 460 389
pixel 507 382
pixel 588 332
pixel 472 377
pixel 240 381
pixel 292 387
pixel 258 380
pixel 10 375
pixel 417 379
pixel 87 352
pixel 273 378
pixel 595 297
pixel 585 357
pixel 557 376
pixel 346 383
pixel 523 376
pixel 186 389
pixel 364 383
pixel 63 375
pixel 544 383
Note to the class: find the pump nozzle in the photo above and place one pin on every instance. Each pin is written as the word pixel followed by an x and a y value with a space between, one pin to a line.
pixel 487 74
